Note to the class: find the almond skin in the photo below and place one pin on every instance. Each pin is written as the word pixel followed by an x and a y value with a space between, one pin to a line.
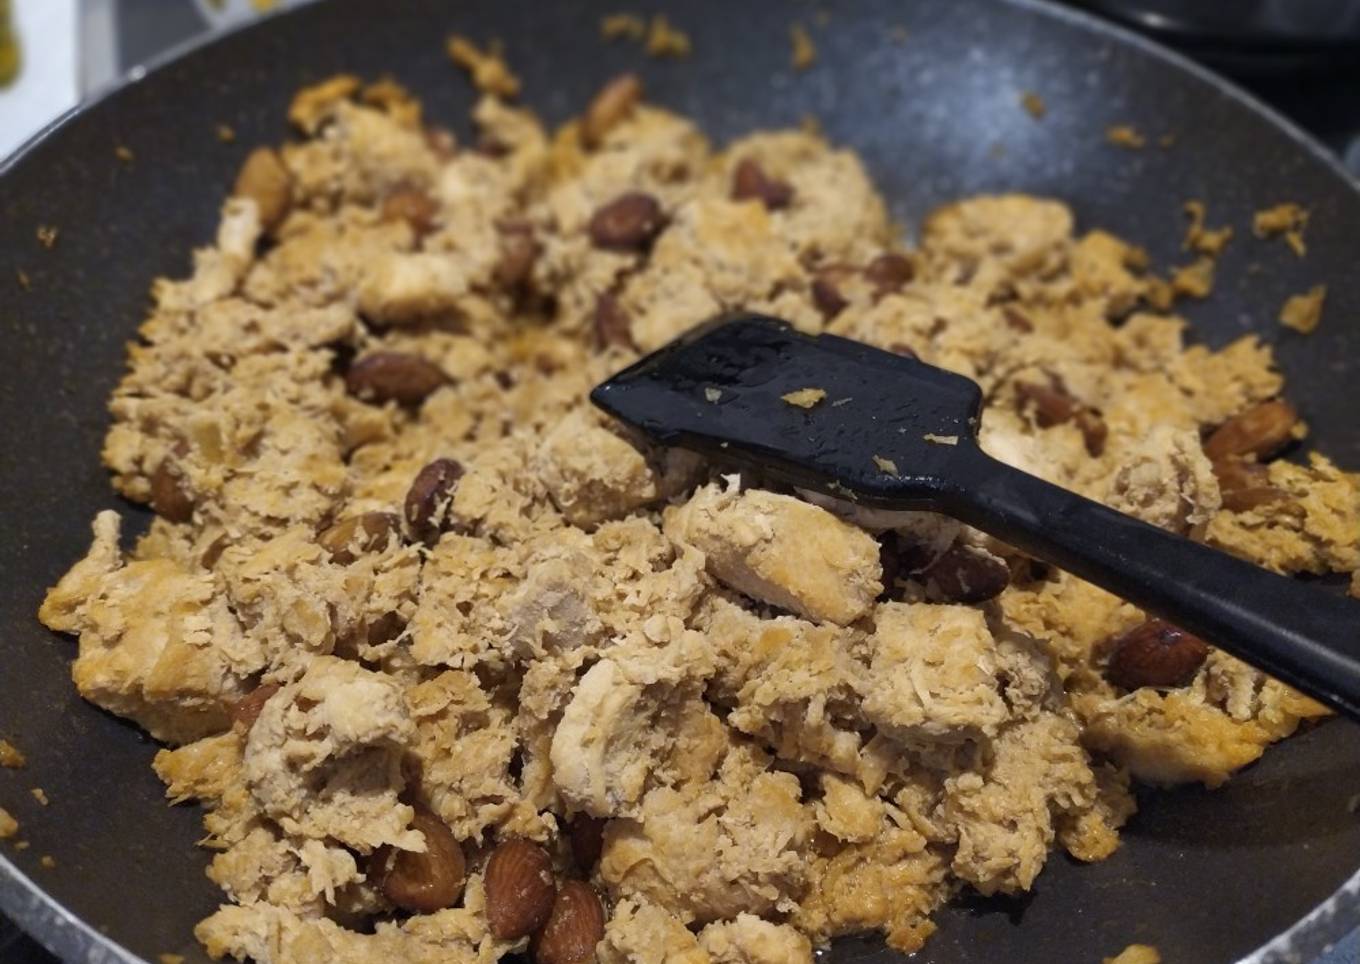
pixel 422 882
pixel 574 927
pixel 519 889
pixel 1260 431
pixel 1156 653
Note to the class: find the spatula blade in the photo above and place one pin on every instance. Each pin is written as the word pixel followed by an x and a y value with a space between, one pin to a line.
pixel 819 412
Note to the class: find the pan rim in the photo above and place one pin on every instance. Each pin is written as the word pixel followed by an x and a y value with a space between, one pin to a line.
pixel 70 937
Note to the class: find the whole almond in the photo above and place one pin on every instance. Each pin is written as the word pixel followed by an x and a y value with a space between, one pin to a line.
pixel 428 498
pixel 628 222
pixel 264 179
pixel 613 103
pixel 574 927
pixel 1156 653
pixel 422 882
pixel 751 183
pixel 349 538
pixel 246 710
pixel 393 376
pixel 413 206
pixel 966 574
pixel 1245 484
pixel 169 495
pixel 889 272
pixel 519 889
pixel 1260 431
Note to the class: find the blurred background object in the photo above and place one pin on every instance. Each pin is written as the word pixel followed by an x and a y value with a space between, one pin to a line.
pixel 1301 56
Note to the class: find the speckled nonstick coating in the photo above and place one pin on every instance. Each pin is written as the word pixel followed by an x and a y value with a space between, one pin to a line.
pixel 1204 876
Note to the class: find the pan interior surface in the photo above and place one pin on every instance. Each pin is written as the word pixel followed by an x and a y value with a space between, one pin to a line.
pixel 929 93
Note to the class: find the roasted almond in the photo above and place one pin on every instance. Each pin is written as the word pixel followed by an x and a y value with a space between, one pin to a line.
pixel 966 574
pixel 422 882
pixel 574 927
pixel 265 180
pixel 413 206
pixel 827 297
pixel 889 272
pixel 393 376
pixel 629 222
pixel 751 183
pixel 427 500
pixel 245 711
pixel 1245 484
pixel 350 538
pixel 1155 653
pixel 519 889
pixel 519 251
pixel 612 325
pixel 613 103
pixel 169 495
pixel 1261 430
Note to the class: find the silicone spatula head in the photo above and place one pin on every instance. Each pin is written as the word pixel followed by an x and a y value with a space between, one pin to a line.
pixel 819 412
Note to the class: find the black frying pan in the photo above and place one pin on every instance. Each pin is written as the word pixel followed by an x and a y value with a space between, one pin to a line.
pixel 1204 876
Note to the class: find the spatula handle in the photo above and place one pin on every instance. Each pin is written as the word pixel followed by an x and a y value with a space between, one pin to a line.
pixel 1300 634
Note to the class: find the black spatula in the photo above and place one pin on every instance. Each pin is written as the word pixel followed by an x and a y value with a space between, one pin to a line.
pixel 894 433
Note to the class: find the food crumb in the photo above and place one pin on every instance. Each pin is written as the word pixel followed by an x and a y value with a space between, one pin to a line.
pixel 897 33
pixel 713 394
pixel 226 133
pixel 8 825
pixel 1125 135
pixel 804 52
pixel 629 25
pixel 665 40
pixel 124 153
pixel 170 958
pixel 1166 141
pixel 1210 241
pixel 1303 312
pixel 48 861
pixel 21 276
pixel 1034 104
pixel 21 845
pixel 842 401
pixel 886 465
pixel 1136 954
pixel 40 795
pixel 47 236
pixel 1194 280
pixel 1287 219
pixel 804 397
pixel 941 439
pixel 489 72
pixel 11 757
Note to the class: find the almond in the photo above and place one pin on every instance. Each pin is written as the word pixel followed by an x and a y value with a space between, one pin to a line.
pixel 574 927
pixel 519 889
pixel 1156 653
pixel 349 538
pixel 1260 431
pixel 422 882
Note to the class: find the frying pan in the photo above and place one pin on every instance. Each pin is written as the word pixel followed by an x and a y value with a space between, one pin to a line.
pixel 1204 876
